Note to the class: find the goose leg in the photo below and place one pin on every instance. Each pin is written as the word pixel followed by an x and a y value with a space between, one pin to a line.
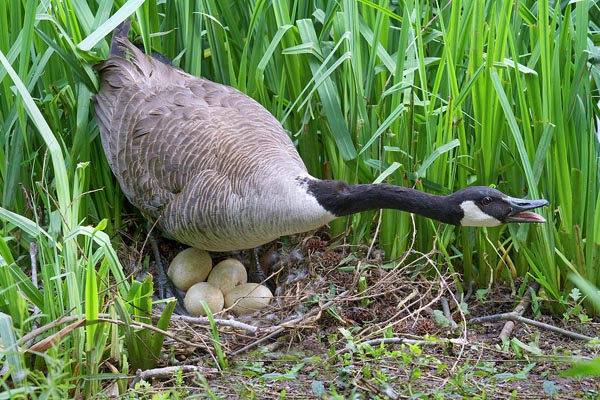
pixel 166 288
pixel 255 271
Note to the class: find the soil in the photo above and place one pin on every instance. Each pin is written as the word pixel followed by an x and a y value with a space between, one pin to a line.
pixel 310 341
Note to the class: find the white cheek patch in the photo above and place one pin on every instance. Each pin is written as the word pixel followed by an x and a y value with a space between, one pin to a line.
pixel 475 217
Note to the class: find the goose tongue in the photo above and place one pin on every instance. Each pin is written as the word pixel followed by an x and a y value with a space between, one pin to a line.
pixel 520 211
pixel 526 216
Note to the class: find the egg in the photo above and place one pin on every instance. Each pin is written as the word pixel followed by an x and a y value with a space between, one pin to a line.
pixel 203 291
pixel 228 274
pixel 247 298
pixel 189 267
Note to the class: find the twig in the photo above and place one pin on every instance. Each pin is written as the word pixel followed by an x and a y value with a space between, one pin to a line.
pixel 519 310
pixel 101 318
pixel 149 327
pixel 167 372
pixel 469 292
pixel 402 306
pixel 386 392
pixel 271 335
pixel 447 314
pixel 289 324
pixel 511 316
pixel 445 286
pixel 51 325
pixel 377 342
pixel 375 235
pixel 33 252
pixel 223 322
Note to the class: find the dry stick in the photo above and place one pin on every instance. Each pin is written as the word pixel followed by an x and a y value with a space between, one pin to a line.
pixel 222 322
pixel 380 216
pixel 38 331
pixel 393 319
pixel 377 227
pixel 386 392
pixel 168 372
pixel 447 314
pixel 511 316
pixel 101 318
pixel 420 342
pixel 273 334
pixel 519 310
pixel 147 326
pixel 466 295
pixel 107 318
pixel 445 286
pixel 282 327
pixel 469 291
pixel 33 252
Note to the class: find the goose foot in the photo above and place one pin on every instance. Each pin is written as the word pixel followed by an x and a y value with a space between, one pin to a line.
pixel 255 271
pixel 166 288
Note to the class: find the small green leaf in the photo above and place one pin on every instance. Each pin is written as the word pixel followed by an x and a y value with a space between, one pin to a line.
pixel 318 388
pixel 551 388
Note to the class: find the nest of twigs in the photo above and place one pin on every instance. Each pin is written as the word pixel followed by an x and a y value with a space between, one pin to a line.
pixel 320 288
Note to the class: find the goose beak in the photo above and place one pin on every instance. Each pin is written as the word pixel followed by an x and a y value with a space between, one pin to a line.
pixel 520 209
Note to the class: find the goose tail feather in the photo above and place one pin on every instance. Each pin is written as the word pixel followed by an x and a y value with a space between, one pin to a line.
pixel 120 35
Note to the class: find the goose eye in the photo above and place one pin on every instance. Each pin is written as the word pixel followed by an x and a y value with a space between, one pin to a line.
pixel 486 201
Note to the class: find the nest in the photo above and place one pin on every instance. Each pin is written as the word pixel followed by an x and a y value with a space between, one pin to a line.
pixel 320 289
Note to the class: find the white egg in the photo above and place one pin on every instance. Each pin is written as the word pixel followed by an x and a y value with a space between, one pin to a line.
pixel 189 267
pixel 228 274
pixel 248 298
pixel 203 291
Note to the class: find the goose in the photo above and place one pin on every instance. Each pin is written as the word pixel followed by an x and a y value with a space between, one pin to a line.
pixel 216 171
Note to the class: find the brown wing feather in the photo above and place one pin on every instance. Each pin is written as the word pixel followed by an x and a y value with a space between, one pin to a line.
pixel 185 149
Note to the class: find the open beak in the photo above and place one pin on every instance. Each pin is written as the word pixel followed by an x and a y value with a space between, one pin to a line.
pixel 520 209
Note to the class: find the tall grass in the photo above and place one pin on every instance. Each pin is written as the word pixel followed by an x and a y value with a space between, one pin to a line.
pixel 53 264
pixel 435 95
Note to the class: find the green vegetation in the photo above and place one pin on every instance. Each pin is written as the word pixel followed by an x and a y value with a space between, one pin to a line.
pixel 435 95
pixel 352 370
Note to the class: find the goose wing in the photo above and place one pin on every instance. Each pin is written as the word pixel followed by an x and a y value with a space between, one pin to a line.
pixel 179 144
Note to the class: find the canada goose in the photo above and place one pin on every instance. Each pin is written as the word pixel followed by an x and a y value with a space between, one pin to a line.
pixel 218 172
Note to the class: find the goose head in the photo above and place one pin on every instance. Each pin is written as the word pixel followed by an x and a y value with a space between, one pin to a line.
pixel 485 206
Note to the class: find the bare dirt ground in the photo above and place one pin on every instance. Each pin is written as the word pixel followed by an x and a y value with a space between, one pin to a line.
pixel 354 327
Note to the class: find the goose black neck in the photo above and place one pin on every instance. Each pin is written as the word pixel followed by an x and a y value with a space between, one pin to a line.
pixel 340 198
